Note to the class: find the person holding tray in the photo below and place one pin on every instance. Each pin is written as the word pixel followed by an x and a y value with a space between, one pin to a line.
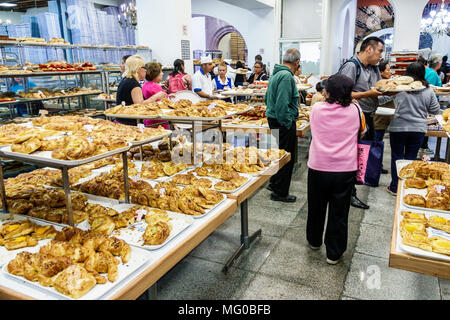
pixel 409 125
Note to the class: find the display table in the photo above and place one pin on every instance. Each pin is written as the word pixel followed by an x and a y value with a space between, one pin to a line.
pixel 159 263
pixel 241 198
pixel 401 260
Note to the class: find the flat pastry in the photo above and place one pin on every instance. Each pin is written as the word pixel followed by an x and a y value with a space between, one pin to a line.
pixel 27 146
pixel 439 223
pixel 414 217
pixel 225 186
pixel 20 242
pixel 414 200
pixel 74 281
pixel 418 240
pixel 440 245
pixel 44 232
pixel 412 227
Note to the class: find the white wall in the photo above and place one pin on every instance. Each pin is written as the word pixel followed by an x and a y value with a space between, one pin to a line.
pixel 334 48
pixel 160 26
pixel 302 19
pixel 256 26
pixel 198 34
pixel 408 14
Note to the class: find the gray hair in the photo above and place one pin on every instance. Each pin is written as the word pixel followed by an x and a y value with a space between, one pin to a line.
pixel 434 60
pixel 291 55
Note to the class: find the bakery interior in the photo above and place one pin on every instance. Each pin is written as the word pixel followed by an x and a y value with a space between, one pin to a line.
pixel 133 200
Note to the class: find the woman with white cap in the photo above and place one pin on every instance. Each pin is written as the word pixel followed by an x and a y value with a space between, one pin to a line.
pixel 202 81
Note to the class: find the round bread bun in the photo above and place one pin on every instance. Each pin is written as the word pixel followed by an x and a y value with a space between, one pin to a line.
pixel 404 80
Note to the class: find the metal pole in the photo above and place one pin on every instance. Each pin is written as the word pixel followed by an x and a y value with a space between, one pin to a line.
pixel 125 176
pixel 2 187
pixel 66 184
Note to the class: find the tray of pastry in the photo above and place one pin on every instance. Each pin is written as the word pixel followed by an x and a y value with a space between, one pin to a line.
pixel 151 171
pixel 424 234
pixel 72 280
pixel 153 228
pixel 21 233
pixel 219 180
pixel 46 157
pixel 415 194
pixel 151 139
pixel 430 171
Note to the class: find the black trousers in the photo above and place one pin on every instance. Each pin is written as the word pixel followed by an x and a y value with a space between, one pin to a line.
pixel 332 190
pixel 281 181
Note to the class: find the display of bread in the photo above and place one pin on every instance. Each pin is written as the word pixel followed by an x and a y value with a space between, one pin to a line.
pixel 73 262
pixel 400 83
pixel 24 233
pixel 180 108
pixel 414 233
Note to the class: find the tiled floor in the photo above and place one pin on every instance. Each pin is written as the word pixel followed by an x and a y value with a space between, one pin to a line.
pixel 280 266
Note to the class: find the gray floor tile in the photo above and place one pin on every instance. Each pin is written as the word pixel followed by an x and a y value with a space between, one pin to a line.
pixel 374 240
pixel 444 284
pixel 268 288
pixel 371 278
pixel 221 245
pixel 381 211
pixel 198 279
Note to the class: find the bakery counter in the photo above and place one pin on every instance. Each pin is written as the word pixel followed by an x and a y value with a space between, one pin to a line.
pixel 400 259
pixel 158 263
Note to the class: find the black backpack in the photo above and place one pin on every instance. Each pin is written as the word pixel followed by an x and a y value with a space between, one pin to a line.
pixel 356 63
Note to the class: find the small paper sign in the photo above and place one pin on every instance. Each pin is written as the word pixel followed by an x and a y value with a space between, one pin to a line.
pixel 43 112
pixel 141 127
pixel 89 127
pixel 140 213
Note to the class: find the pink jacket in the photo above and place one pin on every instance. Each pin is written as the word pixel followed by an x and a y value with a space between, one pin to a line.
pixel 334 143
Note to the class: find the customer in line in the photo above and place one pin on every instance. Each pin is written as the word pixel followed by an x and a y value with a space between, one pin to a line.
pixel 122 65
pixel 424 148
pixel 431 73
pixel 335 125
pixel 258 58
pixel 409 125
pixel 363 70
pixel 319 95
pixel 381 122
pixel 445 69
pixel 240 78
pixel 178 79
pixel 202 81
pixel 282 101
pixel 258 73
pixel 129 91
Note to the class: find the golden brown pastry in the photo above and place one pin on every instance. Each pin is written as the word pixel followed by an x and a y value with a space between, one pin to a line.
pixel 104 225
pixel 415 200
pixel 74 281
pixel 10 230
pixel 156 233
pixel 44 232
pixel 27 146
pixel 418 240
pixel 20 242
pixel 414 217
pixel 103 262
pixel 439 223
pixel 418 183
pixel 225 186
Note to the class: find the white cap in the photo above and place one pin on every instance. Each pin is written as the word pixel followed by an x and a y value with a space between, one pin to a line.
pixel 205 59
pixel 227 61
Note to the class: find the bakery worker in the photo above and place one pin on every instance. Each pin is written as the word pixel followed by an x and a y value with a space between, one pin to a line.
pixel 282 101
pixel 202 81
pixel 363 70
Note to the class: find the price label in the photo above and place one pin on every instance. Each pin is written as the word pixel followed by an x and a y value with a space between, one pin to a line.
pixel 211 106
pixel 123 103
pixel 439 188
pixel 40 93
pixel 141 127
pixel 63 92
pixel 43 112
pixel 140 213
pixel 90 139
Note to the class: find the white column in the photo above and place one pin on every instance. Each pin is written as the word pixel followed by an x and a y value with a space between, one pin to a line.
pixel 162 25
pixel 408 14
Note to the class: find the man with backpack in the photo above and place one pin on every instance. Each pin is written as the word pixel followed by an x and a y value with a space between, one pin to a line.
pixel 362 68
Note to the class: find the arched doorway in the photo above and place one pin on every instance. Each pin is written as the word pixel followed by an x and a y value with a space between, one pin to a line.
pixel 216 35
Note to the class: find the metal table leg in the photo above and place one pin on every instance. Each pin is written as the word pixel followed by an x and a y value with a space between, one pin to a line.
pixel 246 240
pixel 2 188
pixel 125 176
pixel 65 176
pixel 438 149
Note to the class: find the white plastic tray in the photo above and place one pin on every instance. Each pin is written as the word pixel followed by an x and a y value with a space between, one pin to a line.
pixel 7 255
pixel 139 257
pixel 417 251
pixel 423 193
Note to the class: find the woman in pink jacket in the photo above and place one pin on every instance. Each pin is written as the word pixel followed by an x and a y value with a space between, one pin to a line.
pixel 335 125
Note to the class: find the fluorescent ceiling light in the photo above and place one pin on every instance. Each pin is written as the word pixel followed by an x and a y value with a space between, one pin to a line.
pixel 8 4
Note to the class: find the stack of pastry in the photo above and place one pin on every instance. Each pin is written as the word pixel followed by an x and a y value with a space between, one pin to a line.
pixel 25 233
pixel 231 180
pixel 73 262
pixel 434 176
pixel 413 230
pixel 16 134
pixel 398 84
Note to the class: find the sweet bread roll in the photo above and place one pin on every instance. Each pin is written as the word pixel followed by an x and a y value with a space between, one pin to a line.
pixel 446 114
pixel 156 233
pixel 403 80
pixel 417 183
pixel 415 200
pixel 440 245
pixel 412 227
pixel 437 202
pixel 439 223
pixel 406 172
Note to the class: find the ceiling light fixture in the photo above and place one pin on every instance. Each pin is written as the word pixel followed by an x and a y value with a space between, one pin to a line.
pixel 8 4
pixel 438 22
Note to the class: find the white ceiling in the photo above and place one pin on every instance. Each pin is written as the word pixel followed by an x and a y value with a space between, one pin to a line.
pixel 251 4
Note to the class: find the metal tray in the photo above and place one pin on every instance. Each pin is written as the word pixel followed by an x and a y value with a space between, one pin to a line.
pixel 44 157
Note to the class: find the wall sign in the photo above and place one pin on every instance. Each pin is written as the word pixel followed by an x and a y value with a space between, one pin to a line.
pixel 185 50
